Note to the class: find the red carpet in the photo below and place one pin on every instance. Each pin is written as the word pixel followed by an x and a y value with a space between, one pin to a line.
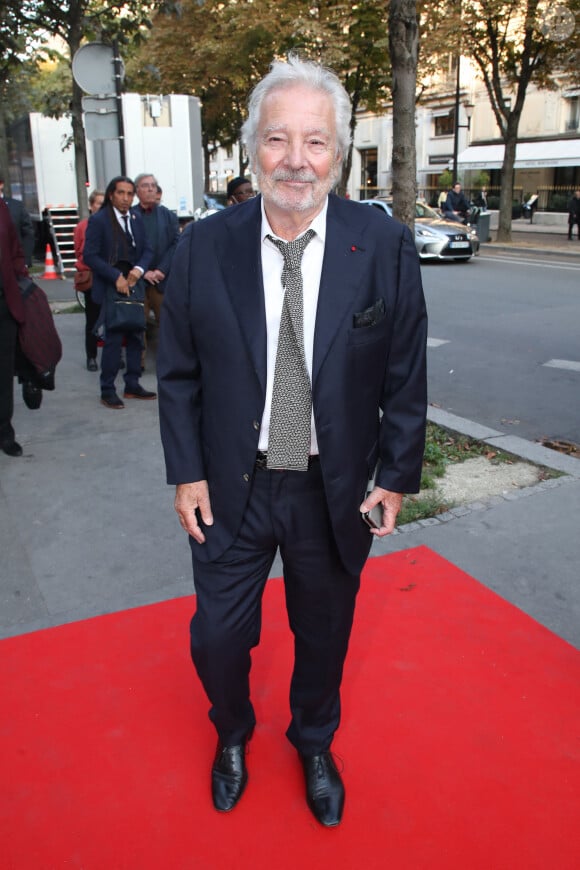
pixel 460 740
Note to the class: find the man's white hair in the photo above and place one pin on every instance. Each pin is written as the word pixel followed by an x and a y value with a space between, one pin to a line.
pixel 299 72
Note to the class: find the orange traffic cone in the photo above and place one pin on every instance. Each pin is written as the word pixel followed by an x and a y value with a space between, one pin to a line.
pixel 49 270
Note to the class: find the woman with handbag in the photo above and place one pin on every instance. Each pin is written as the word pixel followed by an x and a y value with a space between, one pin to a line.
pixel 84 281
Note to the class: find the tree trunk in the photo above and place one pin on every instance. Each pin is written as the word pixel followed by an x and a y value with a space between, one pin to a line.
pixel 347 158
pixel 404 48
pixel 504 232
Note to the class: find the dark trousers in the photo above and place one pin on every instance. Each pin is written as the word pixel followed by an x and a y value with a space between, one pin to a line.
pixel 92 311
pixel 8 335
pixel 286 509
pixel 571 222
pixel 111 359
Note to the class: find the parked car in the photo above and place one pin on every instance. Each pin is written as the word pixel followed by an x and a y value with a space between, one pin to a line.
pixel 435 237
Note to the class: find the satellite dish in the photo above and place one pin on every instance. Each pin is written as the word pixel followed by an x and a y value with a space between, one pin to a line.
pixel 93 68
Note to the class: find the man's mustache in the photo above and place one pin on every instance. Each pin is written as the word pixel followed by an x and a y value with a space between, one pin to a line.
pixel 289 175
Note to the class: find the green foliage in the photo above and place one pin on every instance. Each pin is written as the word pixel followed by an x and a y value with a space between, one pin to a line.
pixel 219 50
pixel 481 179
pixel 445 179
pixel 442 448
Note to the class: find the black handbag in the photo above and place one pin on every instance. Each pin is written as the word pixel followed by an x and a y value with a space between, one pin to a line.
pixel 125 313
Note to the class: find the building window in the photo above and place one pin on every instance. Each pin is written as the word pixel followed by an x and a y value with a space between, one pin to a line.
pixel 445 124
pixel 573 115
pixel 368 171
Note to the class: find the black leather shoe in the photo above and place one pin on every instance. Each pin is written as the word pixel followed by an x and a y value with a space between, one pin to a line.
pixel 229 776
pixel 92 364
pixel 324 788
pixel 138 393
pixel 111 400
pixel 12 448
pixel 32 395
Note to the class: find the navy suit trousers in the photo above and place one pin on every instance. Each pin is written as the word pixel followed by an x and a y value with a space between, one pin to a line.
pixel 111 360
pixel 286 509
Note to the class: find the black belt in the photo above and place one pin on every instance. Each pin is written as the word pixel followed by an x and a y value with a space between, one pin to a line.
pixel 262 461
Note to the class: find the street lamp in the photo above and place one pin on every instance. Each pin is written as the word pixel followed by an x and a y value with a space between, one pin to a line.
pixel 469 107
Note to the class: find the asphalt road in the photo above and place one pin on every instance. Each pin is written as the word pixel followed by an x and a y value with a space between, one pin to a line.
pixel 495 324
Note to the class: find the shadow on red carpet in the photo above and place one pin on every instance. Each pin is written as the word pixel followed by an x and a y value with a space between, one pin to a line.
pixel 459 740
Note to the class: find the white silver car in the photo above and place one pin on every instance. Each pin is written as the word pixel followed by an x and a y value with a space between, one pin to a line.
pixel 435 237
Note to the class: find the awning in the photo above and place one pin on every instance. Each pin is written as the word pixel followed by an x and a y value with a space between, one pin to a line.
pixel 558 152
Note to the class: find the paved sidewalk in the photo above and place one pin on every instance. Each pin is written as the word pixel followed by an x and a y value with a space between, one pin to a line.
pixel 87 523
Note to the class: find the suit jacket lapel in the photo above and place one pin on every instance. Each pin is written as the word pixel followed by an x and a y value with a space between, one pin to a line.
pixel 242 268
pixel 339 281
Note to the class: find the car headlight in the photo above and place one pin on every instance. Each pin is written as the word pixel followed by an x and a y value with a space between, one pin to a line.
pixel 426 232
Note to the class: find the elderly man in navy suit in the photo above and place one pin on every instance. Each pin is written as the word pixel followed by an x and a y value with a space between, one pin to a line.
pixel 162 229
pixel 291 369
pixel 117 250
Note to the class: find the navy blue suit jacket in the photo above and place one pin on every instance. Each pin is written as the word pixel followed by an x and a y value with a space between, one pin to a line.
pixel 101 250
pixel 167 238
pixel 211 366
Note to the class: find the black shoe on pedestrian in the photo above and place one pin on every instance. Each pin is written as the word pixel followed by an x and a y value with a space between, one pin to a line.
pixel 111 400
pixel 32 395
pixel 92 364
pixel 137 392
pixel 324 788
pixel 12 448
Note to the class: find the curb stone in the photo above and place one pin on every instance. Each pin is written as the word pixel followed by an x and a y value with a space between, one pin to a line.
pixel 520 447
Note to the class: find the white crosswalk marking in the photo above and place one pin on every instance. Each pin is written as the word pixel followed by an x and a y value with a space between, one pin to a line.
pixel 568 364
pixel 437 342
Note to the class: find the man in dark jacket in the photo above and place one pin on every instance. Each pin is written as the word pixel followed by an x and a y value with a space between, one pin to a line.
pixel 11 314
pixel 574 213
pixel 162 228
pixel 22 222
pixel 456 206
pixel 117 251
pixel 289 323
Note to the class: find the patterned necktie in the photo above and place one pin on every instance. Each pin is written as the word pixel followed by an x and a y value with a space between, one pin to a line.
pixel 289 436
pixel 130 238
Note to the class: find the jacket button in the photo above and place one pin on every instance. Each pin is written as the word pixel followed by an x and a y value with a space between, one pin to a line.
pixel 246 477
pixel 256 425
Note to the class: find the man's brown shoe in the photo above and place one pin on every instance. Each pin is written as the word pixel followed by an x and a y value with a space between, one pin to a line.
pixel 138 392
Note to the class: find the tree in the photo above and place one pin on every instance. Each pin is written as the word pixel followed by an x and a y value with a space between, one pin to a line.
pixel 514 43
pixel 216 50
pixel 351 39
pixel 14 32
pixel 404 47
pixel 230 44
pixel 75 21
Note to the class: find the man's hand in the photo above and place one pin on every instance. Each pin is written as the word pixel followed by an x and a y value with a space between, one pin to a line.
pixel 391 502
pixel 190 497
pixel 134 276
pixel 154 276
pixel 122 285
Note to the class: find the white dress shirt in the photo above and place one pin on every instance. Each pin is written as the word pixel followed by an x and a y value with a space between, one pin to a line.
pixel 121 221
pixel 272 265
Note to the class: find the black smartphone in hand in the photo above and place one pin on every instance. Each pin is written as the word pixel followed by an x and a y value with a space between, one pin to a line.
pixel 374 517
